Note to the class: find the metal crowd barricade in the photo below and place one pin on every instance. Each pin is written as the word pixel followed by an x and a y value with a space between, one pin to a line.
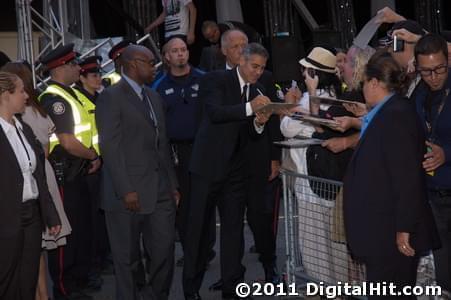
pixel 316 249
pixel 315 241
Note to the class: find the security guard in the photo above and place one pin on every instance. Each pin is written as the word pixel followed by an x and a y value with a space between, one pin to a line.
pixel 72 156
pixel 115 55
pixel 179 89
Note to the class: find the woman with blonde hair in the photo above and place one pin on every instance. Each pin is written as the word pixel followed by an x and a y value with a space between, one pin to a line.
pixel 26 205
pixel 42 126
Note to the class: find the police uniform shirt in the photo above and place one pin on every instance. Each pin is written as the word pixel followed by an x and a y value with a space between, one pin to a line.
pixel 90 97
pixel 59 110
pixel 181 103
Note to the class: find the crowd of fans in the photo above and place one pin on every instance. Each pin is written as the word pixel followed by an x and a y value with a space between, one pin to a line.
pixel 137 155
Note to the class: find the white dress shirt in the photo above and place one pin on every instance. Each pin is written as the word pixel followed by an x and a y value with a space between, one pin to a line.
pixel 25 157
pixel 249 111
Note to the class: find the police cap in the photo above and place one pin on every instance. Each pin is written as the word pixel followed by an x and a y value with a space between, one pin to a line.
pixel 90 64
pixel 116 51
pixel 59 56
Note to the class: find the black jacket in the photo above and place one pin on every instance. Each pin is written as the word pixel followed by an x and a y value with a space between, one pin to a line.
pixel 11 186
pixel 223 117
pixel 385 188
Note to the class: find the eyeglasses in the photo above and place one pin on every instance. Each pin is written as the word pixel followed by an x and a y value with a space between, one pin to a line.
pixel 149 62
pixel 442 69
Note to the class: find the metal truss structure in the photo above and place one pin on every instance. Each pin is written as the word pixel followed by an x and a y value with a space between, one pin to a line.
pixel 55 29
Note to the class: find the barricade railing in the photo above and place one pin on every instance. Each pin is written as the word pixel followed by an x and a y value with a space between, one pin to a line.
pixel 316 249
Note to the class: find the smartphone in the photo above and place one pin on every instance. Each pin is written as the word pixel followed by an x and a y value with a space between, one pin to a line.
pixel 398 44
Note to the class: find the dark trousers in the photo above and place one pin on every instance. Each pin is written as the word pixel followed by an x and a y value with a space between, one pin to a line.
pixel 157 230
pixel 70 265
pixel 441 207
pixel 19 256
pixel 183 152
pixel 229 195
pixel 398 269
pixel 100 244
pixel 262 216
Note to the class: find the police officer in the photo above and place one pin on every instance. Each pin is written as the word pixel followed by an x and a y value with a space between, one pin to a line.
pixel 179 89
pixel 115 55
pixel 87 91
pixel 72 156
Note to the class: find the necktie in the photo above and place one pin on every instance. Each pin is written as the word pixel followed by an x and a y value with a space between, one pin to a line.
pixel 148 105
pixel 244 93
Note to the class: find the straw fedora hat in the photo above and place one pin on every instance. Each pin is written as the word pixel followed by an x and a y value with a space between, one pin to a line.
pixel 320 59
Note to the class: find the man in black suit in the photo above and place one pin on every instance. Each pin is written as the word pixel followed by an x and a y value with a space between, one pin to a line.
pixel 219 168
pixel 139 178
pixel 262 195
pixel 388 220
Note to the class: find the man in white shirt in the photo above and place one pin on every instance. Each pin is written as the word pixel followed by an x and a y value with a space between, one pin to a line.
pixel 179 17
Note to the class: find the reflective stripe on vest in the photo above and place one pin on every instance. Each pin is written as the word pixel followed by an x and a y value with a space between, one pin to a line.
pixel 82 130
pixel 90 108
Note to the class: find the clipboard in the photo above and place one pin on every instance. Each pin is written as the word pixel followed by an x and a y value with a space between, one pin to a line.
pixel 276 108
pixel 298 143
pixel 364 36
pixel 333 101
pixel 314 120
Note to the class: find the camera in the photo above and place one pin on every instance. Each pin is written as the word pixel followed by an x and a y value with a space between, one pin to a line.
pixel 398 44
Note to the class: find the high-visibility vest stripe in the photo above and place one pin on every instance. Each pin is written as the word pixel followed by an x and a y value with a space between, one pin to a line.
pixel 90 108
pixel 83 127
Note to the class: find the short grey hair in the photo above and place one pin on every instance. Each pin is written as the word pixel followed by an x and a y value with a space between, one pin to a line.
pixel 226 34
pixel 254 49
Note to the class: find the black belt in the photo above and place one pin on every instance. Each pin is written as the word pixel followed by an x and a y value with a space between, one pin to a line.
pixel 441 192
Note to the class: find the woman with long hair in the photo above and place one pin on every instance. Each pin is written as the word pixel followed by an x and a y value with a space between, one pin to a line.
pixel 25 205
pixel 42 126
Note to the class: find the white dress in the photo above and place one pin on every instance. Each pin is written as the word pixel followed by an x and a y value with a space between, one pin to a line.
pixel 43 128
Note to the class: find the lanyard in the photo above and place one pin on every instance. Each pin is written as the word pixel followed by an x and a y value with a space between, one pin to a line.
pixel 23 144
pixel 431 125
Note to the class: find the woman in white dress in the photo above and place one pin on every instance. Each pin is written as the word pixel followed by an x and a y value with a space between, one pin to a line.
pixel 42 127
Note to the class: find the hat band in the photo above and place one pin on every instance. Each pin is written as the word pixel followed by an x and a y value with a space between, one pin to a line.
pixel 88 67
pixel 317 64
pixel 61 61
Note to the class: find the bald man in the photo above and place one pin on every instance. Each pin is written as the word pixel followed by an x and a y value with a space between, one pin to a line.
pixel 179 88
pixel 139 179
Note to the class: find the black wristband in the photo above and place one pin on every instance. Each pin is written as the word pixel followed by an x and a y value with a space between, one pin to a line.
pixel 96 158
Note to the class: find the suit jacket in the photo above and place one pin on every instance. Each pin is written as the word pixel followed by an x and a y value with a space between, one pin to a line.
pixel 263 150
pixel 136 155
pixel 223 117
pixel 11 186
pixel 384 187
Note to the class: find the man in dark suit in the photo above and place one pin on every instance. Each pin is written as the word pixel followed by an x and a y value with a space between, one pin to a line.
pixel 264 159
pixel 139 182
pixel 219 168
pixel 388 220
